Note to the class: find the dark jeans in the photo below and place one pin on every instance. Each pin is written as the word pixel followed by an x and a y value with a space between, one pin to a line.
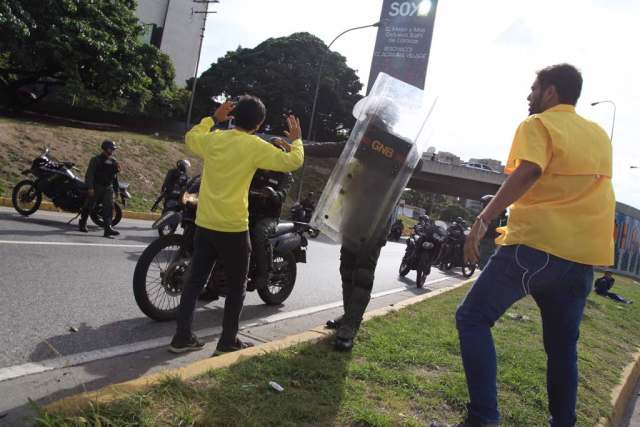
pixel 560 289
pixel 612 295
pixel 260 230
pixel 233 250
pixel 103 195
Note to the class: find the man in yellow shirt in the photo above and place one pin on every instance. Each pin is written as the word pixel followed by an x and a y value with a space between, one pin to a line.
pixel 231 158
pixel 561 218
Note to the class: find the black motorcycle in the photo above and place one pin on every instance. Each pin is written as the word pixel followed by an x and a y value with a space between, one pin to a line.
pixel 171 203
pixel 299 213
pixel 423 247
pixel 452 252
pixel 159 275
pixel 58 182
pixel 396 231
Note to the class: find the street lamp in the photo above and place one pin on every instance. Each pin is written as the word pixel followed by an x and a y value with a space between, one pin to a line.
pixel 315 96
pixel 613 122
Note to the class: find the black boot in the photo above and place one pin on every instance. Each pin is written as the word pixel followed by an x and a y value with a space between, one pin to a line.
pixel 347 289
pixel 108 231
pixel 82 225
pixel 352 318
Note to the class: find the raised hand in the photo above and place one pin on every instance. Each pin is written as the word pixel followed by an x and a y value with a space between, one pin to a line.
pixel 294 132
pixel 222 112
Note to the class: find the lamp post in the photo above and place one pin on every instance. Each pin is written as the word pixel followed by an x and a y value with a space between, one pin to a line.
pixel 317 90
pixel 613 122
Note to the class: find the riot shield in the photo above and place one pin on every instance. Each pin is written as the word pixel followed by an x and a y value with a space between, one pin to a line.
pixel 375 165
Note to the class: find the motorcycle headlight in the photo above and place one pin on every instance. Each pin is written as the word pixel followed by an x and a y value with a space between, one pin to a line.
pixel 189 198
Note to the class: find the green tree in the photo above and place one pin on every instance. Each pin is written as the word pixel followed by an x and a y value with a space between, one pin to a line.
pixel 96 44
pixel 451 212
pixel 283 72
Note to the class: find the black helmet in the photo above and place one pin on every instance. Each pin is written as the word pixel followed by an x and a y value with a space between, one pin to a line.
pixel 486 199
pixel 424 219
pixel 183 165
pixel 108 145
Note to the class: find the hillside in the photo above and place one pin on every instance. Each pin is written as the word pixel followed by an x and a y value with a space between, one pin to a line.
pixel 144 158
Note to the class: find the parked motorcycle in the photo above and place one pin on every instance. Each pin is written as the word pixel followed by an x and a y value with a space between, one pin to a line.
pixel 160 273
pixel 452 252
pixel 299 213
pixel 58 182
pixel 423 247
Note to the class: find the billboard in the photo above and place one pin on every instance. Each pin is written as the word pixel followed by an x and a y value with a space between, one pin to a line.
pixel 627 243
pixel 404 40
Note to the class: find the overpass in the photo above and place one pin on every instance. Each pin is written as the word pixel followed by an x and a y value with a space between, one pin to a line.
pixel 453 180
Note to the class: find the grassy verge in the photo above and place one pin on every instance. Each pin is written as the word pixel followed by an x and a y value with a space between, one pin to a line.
pixel 405 370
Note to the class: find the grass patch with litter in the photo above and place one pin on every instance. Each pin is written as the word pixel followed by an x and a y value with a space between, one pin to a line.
pixel 405 370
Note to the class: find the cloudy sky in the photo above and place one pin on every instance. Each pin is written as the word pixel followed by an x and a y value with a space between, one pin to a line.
pixel 483 60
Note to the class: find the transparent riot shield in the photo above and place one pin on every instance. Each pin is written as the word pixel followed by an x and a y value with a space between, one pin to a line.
pixel 375 165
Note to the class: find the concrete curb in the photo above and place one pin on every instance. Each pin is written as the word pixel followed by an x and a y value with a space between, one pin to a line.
pixel 48 206
pixel 622 394
pixel 117 391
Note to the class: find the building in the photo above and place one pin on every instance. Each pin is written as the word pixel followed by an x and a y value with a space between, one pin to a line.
pixel 450 158
pixel 171 26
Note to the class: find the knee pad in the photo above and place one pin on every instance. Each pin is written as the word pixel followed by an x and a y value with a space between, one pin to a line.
pixel 363 278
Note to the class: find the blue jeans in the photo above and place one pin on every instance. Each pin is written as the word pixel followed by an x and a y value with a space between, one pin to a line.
pixel 560 288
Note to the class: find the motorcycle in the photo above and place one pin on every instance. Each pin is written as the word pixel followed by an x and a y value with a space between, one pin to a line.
pixel 171 204
pixel 423 247
pixel 160 272
pixel 299 213
pixel 396 231
pixel 452 252
pixel 57 181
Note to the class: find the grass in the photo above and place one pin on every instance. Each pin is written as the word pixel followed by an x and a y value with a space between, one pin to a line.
pixel 145 159
pixel 404 371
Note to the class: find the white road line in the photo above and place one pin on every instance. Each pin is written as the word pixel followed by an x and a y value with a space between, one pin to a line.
pixel 102 245
pixel 17 371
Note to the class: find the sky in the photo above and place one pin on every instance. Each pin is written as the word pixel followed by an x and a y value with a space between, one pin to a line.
pixel 483 60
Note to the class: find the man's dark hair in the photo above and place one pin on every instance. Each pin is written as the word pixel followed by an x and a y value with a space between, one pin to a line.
pixel 567 80
pixel 249 112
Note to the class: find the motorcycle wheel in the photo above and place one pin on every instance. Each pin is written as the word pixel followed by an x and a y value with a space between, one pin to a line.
pixel 167 230
pixel 157 281
pixel 404 269
pixel 421 277
pixel 26 198
pixel 96 215
pixel 468 269
pixel 282 280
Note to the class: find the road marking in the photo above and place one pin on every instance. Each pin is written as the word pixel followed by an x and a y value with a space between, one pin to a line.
pixel 102 245
pixel 17 371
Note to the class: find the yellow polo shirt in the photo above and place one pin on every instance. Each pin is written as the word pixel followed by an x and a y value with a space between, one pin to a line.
pixel 569 212
pixel 231 158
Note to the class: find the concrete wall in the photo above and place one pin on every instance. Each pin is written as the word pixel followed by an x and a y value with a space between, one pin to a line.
pixel 181 31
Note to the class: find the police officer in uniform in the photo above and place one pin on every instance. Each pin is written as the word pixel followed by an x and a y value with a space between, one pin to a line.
pixel 102 180
pixel 268 191
pixel 176 178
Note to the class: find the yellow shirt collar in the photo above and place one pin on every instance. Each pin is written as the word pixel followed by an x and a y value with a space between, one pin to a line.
pixel 562 107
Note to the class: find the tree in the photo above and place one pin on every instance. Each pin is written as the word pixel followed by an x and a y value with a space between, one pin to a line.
pixel 46 43
pixel 453 211
pixel 283 72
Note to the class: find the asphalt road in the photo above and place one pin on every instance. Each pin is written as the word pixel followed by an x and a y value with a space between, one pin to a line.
pixel 54 278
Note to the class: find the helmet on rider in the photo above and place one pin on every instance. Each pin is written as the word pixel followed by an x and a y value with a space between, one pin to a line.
pixel 108 145
pixel 183 165
pixel 424 219
pixel 486 199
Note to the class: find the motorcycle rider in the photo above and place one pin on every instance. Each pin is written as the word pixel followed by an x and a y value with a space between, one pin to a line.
pixel 102 181
pixel 176 178
pixel 309 205
pixel 265 208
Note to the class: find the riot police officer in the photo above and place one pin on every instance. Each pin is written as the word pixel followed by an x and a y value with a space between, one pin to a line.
pixel 102 180
pixel 176 178
pixel 267 193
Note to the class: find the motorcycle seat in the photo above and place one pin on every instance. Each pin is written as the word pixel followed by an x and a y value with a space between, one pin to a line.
pixel 284 228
